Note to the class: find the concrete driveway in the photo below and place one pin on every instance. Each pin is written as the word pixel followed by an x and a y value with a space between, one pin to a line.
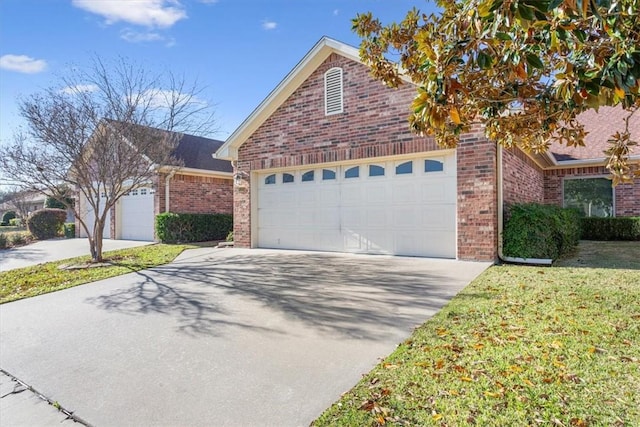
pixel 225 337
pixel 55 250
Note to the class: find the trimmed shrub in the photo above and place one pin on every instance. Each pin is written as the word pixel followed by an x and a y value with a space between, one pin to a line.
pixel 15 222
pixel 184 227
pixel 3 241
pixel 540 231
pixel 8 216
pixel 620 228
pixel 46 223
pixel 69 230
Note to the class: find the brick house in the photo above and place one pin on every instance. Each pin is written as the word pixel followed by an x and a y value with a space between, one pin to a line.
pixel 201 184
pixel 327 162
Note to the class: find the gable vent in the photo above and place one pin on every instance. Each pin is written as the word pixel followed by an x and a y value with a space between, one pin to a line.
pixel 333 102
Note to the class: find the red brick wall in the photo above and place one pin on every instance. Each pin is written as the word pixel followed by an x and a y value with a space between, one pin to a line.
pixel 477 198
pixel 195 194
pixel 374 124
pixel 523 180
pixel 627 196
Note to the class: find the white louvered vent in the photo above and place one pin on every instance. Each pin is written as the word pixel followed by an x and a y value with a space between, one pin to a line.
pixel 333 102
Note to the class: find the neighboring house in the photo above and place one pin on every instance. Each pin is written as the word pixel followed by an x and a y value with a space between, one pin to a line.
pixel 327 162
pixel 201 184
pixel 23 203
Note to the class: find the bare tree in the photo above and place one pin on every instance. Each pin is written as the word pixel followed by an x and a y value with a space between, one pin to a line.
pixel 103 131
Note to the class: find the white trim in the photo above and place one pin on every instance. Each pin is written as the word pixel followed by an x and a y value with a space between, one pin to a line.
pixel 196 172
pixel 309 63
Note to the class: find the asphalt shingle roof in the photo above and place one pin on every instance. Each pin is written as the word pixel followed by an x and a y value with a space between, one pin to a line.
pixel 600 126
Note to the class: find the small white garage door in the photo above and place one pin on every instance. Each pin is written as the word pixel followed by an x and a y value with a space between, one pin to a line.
pixel 89 216
pixel 398 207
pixel 136 215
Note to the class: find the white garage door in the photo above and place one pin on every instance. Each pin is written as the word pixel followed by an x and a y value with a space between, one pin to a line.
pixel 136 215
pixel 399 207
pixel 89 216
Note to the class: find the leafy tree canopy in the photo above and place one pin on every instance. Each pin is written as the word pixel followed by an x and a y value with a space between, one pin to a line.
pixel 523 68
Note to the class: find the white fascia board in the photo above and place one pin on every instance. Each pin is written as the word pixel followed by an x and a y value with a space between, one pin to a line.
pixel 587 162
pixel 197 172
pixel 293 80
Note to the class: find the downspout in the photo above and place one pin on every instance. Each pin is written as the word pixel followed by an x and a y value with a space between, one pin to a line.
pixel 501 256
pixel 166 189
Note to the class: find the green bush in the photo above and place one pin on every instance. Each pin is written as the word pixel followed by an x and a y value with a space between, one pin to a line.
pixel 69 230
pixel 52 203
pixel 622 228
pixel 15 222
pixel 540 231
pixel 46 223
pixel 8 216
pixel 177 227
pixel 230 236
pixel 3 241
pixel 18 239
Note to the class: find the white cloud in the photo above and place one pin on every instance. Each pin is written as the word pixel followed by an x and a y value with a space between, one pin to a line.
pixel 160 98
pixel 336 12
pixel 137 37
pixel 22 64
pixel 71 90
pixel 148 13
pixel 269 25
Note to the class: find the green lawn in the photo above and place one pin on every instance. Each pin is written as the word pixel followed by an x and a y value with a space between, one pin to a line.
pixel 555 346
pixel 44 278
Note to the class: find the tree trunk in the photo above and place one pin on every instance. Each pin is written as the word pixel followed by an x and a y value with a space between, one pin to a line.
pixel 96 241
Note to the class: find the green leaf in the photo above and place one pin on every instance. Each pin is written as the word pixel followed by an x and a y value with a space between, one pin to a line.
pixel 525 12
pixel 534 61
pixel 484 61
pixel 503 36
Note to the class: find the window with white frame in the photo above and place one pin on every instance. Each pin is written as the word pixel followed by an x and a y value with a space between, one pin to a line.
pixel 591 196
pixel 333 96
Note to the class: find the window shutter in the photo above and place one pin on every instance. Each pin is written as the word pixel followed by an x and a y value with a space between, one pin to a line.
pixel 333 98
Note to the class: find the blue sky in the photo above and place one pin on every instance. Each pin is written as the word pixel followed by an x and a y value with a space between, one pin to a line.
pixel 239 49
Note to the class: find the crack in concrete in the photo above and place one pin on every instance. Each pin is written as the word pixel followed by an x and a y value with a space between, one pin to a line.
pixel 22 386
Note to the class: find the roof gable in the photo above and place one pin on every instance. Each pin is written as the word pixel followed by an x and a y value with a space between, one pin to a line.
pixel 311 61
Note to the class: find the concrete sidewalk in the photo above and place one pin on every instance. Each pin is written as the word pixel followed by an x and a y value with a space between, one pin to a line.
pixel 225 337
pixel 55 250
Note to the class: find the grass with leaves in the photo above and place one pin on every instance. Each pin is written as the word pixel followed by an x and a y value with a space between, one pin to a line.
pixel 520 345
pixel 49 277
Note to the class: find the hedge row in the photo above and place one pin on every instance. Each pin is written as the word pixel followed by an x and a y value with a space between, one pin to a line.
pixel 540 231
pixel 622 228
pixel 183 228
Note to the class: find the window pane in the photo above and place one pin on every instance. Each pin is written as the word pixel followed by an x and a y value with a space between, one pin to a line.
pixel 591 196
pixel 353 172
pixel 287 177
pixel 375 170
pixel 433 166
pixel 328 174
pixel 307 176
pixel 406 167
pixel 271 179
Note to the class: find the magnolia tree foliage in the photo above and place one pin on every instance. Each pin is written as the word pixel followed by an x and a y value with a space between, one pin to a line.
pixel 102 131
pixel 523 68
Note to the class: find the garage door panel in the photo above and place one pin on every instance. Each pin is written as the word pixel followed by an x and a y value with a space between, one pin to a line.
pixel 405 214
pixel 136 215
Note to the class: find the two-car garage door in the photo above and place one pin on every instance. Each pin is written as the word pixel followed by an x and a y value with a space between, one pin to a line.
pixel 402 207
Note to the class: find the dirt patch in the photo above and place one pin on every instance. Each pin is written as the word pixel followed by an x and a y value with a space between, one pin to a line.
pixel 597 254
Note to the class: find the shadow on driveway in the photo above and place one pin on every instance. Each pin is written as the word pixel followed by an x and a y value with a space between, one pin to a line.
pixel 356 296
